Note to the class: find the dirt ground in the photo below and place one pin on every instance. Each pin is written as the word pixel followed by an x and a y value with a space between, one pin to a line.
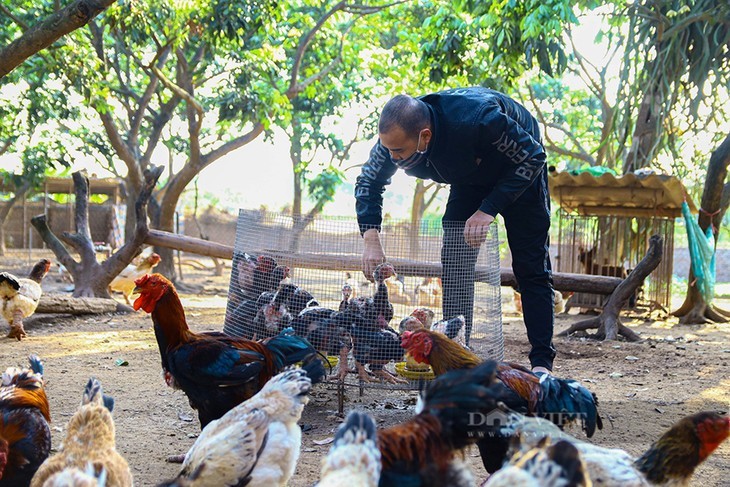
pixel 642 387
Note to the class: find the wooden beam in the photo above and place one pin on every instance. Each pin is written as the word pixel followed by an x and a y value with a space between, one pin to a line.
pixel 338 262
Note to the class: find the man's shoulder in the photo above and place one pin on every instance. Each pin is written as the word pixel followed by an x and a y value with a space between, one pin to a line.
pixel 472 94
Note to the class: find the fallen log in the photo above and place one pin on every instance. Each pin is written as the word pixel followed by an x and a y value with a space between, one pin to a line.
pixel 63 304
pixel 337 262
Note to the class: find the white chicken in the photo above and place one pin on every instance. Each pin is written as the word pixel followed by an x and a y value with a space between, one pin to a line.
pixel 354 458
pixel 20 296
pixel 669 461
pixel 546 465
pixel 560 299
pixel 256 443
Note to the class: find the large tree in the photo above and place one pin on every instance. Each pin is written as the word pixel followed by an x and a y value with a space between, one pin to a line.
pixel 203 78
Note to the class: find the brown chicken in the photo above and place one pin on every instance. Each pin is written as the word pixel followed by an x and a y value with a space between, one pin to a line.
pixel 20 296
pixel 124 282
pixel 563 401
pixel 25 438
pixel 216 372
pixel 90 439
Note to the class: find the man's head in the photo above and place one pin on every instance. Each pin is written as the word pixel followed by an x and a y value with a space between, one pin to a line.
pixel 405 130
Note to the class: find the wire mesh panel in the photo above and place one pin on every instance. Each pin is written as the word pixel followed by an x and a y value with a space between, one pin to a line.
pixel 611 245
pixel 314 267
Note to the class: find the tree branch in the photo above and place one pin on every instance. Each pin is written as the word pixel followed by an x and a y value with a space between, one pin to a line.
pixel 126 252
pixel 304 43
pixel 43 34
pixel 41 225
pixel 12 17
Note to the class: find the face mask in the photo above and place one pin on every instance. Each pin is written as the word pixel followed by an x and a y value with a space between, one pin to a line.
pixel 414 159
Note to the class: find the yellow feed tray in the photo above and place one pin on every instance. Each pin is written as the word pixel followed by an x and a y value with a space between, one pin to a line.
pixel 402 370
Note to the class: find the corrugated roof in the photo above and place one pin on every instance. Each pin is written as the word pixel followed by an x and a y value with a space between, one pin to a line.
pixel 645 195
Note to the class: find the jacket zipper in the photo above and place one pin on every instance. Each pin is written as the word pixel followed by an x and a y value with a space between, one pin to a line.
pixel 428 164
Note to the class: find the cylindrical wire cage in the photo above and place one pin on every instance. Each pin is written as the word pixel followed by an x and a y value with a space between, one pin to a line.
pixel 322 256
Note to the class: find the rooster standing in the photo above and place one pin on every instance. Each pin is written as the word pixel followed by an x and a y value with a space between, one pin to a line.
pixel 90 439
pixel 216 372
pixel 256 444
pixel 560 400
pixel 25 438
pixel 20 296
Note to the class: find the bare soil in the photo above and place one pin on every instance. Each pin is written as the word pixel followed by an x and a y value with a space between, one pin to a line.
pixel 642 387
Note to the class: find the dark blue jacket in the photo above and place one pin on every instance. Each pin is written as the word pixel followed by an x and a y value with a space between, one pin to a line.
pixel 480 137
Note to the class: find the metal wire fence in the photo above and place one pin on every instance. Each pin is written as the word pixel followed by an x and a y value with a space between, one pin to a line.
pixel 317 264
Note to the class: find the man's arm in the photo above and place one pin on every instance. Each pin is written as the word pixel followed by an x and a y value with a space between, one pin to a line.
pixel 524 157
pixel 369 188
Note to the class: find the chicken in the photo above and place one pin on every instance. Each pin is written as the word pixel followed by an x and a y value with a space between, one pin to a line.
pixel 20 296
pixel 274 316
pixel 397 290
pixel 560 300
pixel 216 372
pixel 239 321
pixel 669 461
pixel 563 401
pixel 75 477
pixel 124 282
pixel 425 450
pixel 90 438
pixel 545 465
pixel 328 331
pixel 376 310
pixel 354 458
pixel 353 284
pixel 453 328
pixel 256 443
pixel 25 438
pixel 430 292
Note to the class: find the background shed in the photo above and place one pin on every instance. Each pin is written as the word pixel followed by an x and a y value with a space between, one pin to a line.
pixel 604 225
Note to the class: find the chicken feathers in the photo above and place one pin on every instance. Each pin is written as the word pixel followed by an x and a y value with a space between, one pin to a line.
pixel 257 443
pixel 90 439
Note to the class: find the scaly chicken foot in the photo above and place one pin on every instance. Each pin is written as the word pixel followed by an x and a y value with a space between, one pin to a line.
pixel 17 332
pixel 388 377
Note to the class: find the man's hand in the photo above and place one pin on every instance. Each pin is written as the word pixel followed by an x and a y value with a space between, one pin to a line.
pixel 475 230
pixel 373 253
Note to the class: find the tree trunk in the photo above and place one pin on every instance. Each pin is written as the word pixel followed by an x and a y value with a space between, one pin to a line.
pixel 92 279
pixel 715 198
pixel 647 129
pixel 609 322
pixel 61 304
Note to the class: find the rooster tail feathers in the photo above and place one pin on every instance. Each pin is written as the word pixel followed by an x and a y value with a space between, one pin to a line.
pixel 314 368
pixel 565 401
pixel 93 393
pixel 35 364
pixel 108 402
pixel 10 280
pixel 465 403
pixel 289 349
pixel 358 425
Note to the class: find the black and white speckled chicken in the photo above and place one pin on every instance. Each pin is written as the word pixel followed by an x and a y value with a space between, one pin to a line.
pixel 20 296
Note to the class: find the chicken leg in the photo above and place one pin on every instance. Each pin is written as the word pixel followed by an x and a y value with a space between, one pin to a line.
pixel 16 327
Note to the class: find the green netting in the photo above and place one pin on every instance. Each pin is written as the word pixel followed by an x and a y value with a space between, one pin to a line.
pixel 702 254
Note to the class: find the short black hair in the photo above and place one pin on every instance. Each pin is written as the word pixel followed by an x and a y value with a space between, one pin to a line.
pixel 406 112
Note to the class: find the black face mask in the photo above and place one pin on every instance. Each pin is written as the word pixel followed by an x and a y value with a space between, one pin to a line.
pixel 414 159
